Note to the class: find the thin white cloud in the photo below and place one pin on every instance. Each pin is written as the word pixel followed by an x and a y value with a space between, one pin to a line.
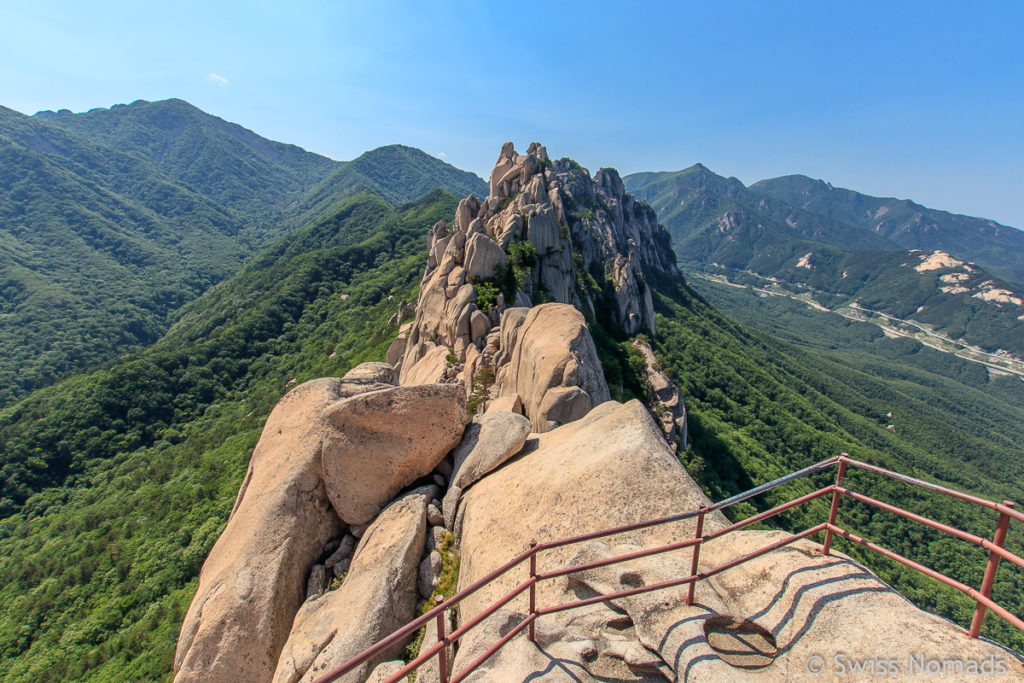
pixel 442 155
pixel 218 79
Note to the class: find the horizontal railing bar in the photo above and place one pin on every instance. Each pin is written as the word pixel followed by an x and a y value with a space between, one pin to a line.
pixel 515 592
pixel 455 635
pixel 417 663
pixel 927 571
pixel 684 580
pixel 415 624
pixel 620 558
pixel 740 497
pixel 1012 512
pixel 619 594
pixel 1005 508
pixel 927 521
pixel 491 650
pixel 769 513
pixel 721 505
pixel 938 488
pixel 617 530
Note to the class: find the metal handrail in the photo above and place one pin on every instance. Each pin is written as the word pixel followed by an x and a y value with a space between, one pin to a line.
pixel 982 597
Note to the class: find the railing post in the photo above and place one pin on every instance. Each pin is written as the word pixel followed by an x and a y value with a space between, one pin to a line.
pixel 441 635
pixel 696 554
pixel 990 571
pixel 532 633
pixel 840 475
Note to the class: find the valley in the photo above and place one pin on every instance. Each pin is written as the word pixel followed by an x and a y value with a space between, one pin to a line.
pixel 999 363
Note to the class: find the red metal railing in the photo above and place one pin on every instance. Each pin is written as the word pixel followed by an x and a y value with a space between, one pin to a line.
pixel 982 597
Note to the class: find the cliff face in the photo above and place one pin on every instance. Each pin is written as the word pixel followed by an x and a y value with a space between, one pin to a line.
pixel 546 233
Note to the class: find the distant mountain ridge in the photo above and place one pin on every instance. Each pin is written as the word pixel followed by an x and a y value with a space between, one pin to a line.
pixel 849 249
pixel 112 219
pixel 999 248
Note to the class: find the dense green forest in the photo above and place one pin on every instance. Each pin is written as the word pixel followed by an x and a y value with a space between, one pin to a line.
pixel 120 480
pixel 845 248
pixel 112 220
pixel 759 407
pixel 999 248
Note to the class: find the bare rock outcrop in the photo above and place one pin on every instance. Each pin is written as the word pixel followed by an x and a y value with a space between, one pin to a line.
pixel 547 231
pixel 611 467
pixel 254 579
pixel 489 440
pixel 377 597
pixel 376 443
pixel 667 401
pixel 553 366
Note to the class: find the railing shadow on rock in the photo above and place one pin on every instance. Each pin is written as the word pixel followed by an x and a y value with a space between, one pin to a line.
pixel 982 596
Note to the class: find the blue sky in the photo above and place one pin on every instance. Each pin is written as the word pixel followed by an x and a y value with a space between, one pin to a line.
pixel 921 100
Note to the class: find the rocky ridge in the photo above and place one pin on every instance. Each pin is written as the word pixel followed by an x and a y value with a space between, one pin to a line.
pixel 546 232
pixel 364 490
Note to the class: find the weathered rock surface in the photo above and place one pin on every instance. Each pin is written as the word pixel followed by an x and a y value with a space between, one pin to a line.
pixel 567 234
pixel 488 441
pixel 254 579
pixel 612 467
pixel 375 444
pixel 385 670
pixel 668 404
pixel 377 597
pixel 553 366
pixel 429 571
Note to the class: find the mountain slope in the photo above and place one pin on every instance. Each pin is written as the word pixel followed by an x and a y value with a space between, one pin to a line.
pixel 118 482
pixel 111 220
pixel 759 408
pixel 96 248
pixel 397 173
pixel 95 574
pixel 220 160
pixel 998 248
pixel 719 226
pixel 717 220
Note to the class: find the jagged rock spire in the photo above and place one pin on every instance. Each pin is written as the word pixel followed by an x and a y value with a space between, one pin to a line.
pixel 546 232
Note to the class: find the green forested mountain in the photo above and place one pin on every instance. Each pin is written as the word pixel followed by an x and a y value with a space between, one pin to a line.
pixel 111 220
pixel 998 248
pixel 397 173
pixel 717 220
pixel 223 161
pixel 720 226
pixel 759 408
pixel 116 483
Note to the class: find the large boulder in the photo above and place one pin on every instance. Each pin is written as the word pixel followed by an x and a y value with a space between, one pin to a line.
pixel 377 597
pixel 377 443
pixel 579 478
pixel 553 365
pixel 254 579
pixel 489 440
pixel 483 256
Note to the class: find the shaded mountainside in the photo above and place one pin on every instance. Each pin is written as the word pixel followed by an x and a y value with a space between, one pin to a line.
pixel 111 220
pixel 397 173
pixel 717 220
pixel 998 248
